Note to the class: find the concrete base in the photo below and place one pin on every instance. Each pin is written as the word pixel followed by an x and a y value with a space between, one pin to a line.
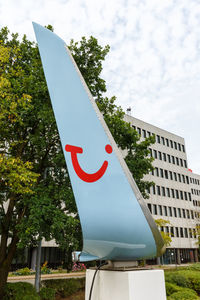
pixel 126 285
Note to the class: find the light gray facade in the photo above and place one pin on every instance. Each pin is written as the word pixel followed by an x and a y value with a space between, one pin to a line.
pixel 176 194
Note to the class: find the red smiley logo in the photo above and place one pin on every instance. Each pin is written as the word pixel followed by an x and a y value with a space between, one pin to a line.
pixel 79 171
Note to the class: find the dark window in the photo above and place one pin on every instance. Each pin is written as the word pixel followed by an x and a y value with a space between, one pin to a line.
pixel 161 173
pixel 171 143
pixel 177 161
pixel 169 158
pixel 192 214
pixel 179 177
pixel 186 232
pixel 185 163
pixel 175 214
pixel 175 145
pixel 163 191
pixel 155 209
pixel 155 153
pixel 173 195
pixel 158 190
pixel 190 233
pixel 165 210
pixel 170 211
pixel 149 133
pixel 168 192
pixel 179 146
pixel 188 213
pixel 170 174
pixel 133 127
pixel 177 194
pixel 149 207
pixel 150 150
pixel 166 174
pixel 190 198
pixel 157 172
pixel 139 130
pixel 144 133
pixel 183 176
pixel 177 232
pixel 183 148
pixel 181 232
pixel 175 177
pixel 194 233
pixel 167 142
pixel 154 189
pixel 184 216
pixel 181 194
pixel 158 139
pixel 159 155
pixel 179 212
pixel 160 210
pixel 173 160
pixel 181 162
pixel 185 194
pixel 187 179
pixel 172 231
pixel 163 140
pixel 164 157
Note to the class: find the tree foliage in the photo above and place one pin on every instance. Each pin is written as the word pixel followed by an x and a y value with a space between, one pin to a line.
pixel 161 224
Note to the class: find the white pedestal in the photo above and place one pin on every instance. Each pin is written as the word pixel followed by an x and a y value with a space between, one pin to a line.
pixel 126 285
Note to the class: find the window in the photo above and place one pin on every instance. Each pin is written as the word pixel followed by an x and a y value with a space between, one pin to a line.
pixel 185 163
pixel 190 233
pixel 175 214
pixel 150 150
pixel 181 232
pixel 155 209
pixel 169 158
pixel 183 148
pixel 192 214
pixel 170 174
pixel 175 145
pixel 167 142
pixel 165 210
pixel 181 195
pixel 159 155
pixel 172 231
pixel 163 140
pixel 155 153
pixel 168 192
pixel 190 198
pixel 133 127
pixel 158 139
pixel 158 190
pixel 149 207
pixel 148 133
pixel 177 232
pixel 185 194
pixel 170 211
pixel 173 160
pixel 188 213
pixel 181 162
pixel 187 179
pixel 184 216
pixel 163 191
pixel 186 232
pixel 179 177
pixel 154 189
pixel 144 133
pixel 179 212
pixel 177 194
pixel 171 143
pixel 166 174
pixel 139 130
pixel 164 157
pixel 172 192
pixel 157 172
pixel 179 146
pixel 175 177
pixel 183 177
pixel 161 173
pixel 177 161
pixel 160 210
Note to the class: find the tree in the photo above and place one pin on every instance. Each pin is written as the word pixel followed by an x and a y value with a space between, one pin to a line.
pixel 36 196
pixel 161 223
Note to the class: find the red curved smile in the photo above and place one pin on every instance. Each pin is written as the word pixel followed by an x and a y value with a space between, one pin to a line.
pixel 79 171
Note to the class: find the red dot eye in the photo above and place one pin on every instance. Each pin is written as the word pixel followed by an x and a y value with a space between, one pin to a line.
pixel 108 149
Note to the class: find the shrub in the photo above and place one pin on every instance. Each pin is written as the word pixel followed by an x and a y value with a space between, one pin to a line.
pixel 65 287
pixel 177 278
pixel 24 271
pixel 184 295
pixel 172 288
pixel 20 291
pixel 47 293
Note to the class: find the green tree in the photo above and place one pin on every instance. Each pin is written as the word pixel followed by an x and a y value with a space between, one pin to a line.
pixel 36 198
pixel 161 223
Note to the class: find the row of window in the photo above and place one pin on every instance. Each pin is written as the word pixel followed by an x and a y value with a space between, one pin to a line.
pixel 195 192
pixel 160 139
pixel 173 193
pixel 196 203
pixel 168 158
pixel 194 181
pixel 169 211
pixel 170 175
pixel 180 232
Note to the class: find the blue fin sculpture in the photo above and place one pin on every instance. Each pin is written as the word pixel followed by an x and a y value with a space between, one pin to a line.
pixel 116 223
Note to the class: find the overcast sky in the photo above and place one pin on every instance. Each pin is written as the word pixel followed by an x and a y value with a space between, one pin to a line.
pixel 154 62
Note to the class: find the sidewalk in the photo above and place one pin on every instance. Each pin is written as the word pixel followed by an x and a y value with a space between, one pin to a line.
pixel 31 278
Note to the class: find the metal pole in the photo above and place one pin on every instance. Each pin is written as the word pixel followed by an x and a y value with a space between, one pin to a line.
pixel 37 271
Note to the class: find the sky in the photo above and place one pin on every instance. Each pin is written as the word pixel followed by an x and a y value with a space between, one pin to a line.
pixel 154 61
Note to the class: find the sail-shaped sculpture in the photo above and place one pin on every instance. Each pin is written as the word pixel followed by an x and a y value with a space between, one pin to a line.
pixel 116 223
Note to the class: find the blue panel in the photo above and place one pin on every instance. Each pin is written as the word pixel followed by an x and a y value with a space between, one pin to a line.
pixel 115 224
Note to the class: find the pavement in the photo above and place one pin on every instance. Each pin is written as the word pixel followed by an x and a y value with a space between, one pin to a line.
pixel 31 278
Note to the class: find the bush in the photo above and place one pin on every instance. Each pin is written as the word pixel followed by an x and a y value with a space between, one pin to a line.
pixel 24 271
pixel 177 278
pixel 172 288
pixel 65 287
pixel 184 295
pixel 20 291
pixel 47 293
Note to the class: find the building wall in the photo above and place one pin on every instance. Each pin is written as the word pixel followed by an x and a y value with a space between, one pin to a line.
pixel 176 195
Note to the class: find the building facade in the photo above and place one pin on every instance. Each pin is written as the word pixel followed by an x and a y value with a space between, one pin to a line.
pixel 176 194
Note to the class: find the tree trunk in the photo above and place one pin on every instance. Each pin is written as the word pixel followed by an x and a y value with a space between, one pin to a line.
pixel 4 269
